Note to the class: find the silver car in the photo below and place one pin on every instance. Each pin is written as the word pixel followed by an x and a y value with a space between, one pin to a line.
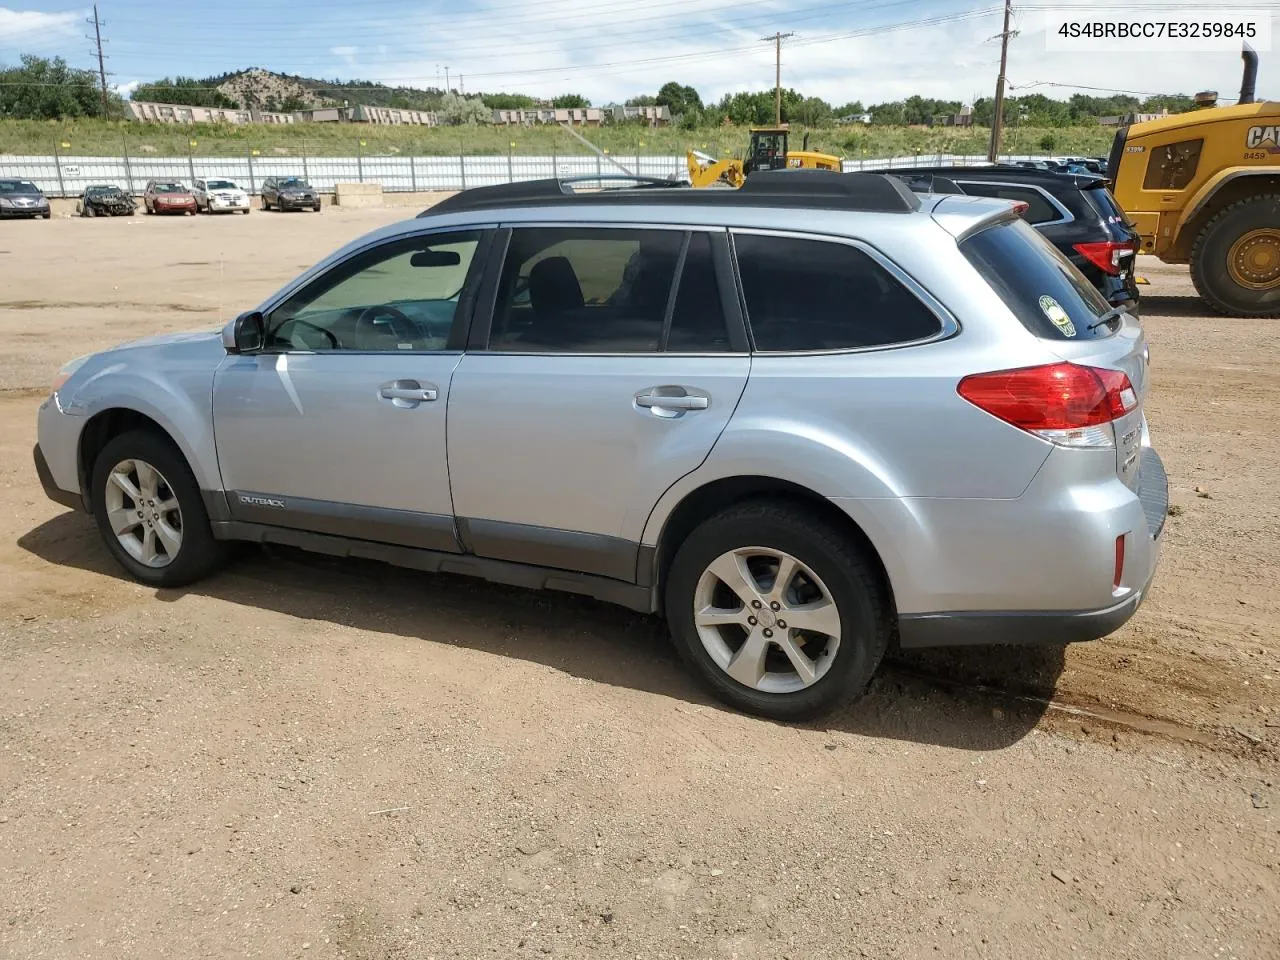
pixel 801 420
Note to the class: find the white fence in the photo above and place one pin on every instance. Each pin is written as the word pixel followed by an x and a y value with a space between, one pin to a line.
pixel 67 176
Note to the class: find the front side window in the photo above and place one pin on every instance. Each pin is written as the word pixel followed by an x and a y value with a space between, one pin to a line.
pixel 821 295
pixel 1173 166
pixel 585 290
pixel 1039 209
pixel 401 296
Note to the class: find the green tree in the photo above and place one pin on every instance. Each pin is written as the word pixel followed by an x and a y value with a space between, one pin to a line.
pixel 849 109
pixel 458 110
pixel 680 100
pixel 641 101
pixel 888 114
pixel 185 90
pixel 572 101
pixel 508 101
pixel 42 89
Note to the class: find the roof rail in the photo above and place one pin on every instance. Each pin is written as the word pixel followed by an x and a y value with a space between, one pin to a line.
pixel 809 189
pixel 541 191
pixel 928 183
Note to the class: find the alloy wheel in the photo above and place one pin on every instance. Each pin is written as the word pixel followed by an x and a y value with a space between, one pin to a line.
pixel 766 619
pixel 143 512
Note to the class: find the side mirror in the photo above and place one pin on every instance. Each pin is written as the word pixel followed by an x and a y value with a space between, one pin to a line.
pixel 246 333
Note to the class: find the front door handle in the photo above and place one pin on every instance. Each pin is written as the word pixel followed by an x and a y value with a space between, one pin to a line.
pixel 408 393
pixel 673 403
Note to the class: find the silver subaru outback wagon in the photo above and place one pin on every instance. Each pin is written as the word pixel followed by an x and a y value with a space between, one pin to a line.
pixel 801 420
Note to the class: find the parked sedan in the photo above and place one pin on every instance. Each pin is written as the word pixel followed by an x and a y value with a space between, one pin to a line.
pixel 22 198
pixel 105 200
pixel 168 196
pixel 289 193
pixel 220 196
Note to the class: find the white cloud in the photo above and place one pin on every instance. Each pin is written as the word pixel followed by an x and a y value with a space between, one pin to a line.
pixel 29 28
pixel 345 52
pixel 126 89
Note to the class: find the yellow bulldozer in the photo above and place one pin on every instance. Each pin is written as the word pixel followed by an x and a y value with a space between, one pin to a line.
pixel 768 151
pixel 1203 188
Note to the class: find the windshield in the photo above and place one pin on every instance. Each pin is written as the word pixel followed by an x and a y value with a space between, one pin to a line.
pixel 169 188
pixel 18 186
pixel 220 185
pixel 294 183
pixel 103 191
pixel 1044 290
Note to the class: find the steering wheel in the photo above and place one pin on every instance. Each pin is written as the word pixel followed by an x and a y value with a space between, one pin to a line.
pixel 329 335
pixel 366 331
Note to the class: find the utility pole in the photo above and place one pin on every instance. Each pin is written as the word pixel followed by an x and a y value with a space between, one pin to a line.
pixel 997 119
pixel 777 39
pixel 102 68
pixel 446 81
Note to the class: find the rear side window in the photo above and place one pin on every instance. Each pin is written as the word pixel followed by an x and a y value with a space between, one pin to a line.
pixel 1173 166
pixel 822 295
pixel 698 322
pixel 1102 201
pixel 1039 209
pixel 1046 293
pixel 585 290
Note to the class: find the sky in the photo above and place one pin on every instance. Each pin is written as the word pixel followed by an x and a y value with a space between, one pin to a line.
pixel 608 50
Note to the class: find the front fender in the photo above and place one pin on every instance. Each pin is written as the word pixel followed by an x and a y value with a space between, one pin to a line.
pixel 180 400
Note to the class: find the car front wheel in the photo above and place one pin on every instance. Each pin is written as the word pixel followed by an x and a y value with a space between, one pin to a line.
pixel 150 513
pixel 778 614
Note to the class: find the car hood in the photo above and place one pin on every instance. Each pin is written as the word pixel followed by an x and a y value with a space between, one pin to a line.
pixel 193 341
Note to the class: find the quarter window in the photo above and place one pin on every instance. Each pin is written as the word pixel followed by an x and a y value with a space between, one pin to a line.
pixel 400 296
pixel 1039 209
pixel 1172 167
pixel 822 295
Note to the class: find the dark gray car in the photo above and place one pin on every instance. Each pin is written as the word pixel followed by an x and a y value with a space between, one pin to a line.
pixel 22 198
pixel 289 193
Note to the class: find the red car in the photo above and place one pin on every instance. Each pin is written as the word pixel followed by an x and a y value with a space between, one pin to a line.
pixel 168 196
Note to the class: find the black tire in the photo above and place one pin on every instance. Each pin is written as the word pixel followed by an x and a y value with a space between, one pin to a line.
pixel 48 215
pixel 1209 253
pixel 265 204
pixel 88 211
pixel 851 578
pixel 199 554
pixel 316 208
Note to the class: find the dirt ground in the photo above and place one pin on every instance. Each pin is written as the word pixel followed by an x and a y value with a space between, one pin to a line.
pixel 303 758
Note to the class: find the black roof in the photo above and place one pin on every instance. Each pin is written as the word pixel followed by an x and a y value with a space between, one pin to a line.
pixel 826 189
pixel 1048 179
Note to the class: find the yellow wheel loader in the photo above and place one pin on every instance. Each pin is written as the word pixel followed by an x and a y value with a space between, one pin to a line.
pixel 1203 188
pixel 768 151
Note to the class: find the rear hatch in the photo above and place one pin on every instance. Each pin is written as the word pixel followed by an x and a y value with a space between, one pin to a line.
pixel 1056 304
pixel 1120 230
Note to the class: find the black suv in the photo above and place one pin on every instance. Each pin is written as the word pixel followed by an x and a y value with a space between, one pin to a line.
pixel 289 193
pixel 1076 213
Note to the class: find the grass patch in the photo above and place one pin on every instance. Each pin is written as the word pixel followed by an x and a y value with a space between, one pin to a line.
pixel 104 138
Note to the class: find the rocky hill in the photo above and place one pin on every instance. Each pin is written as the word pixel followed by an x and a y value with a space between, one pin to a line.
pixel 270 91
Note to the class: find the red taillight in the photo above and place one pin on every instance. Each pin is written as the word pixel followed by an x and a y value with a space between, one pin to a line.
pixel 1058 396
pixel 1115 581
pixel 1020 207
pixel 1106 255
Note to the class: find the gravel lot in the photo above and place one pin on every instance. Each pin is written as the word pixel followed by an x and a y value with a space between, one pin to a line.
pixel 303 758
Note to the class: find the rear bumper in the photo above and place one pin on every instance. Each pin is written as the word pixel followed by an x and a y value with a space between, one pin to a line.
pixel 68 498
pixel 1036 570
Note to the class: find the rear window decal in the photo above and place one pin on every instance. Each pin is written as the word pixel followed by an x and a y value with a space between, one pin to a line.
pixel 1057 316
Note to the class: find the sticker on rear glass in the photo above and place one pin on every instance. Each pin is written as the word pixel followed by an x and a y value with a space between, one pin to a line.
pixel 1057 316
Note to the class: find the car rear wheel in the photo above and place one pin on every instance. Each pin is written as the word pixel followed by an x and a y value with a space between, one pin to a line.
pixel 150 512
pixel 1235 261
pixel 777 613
